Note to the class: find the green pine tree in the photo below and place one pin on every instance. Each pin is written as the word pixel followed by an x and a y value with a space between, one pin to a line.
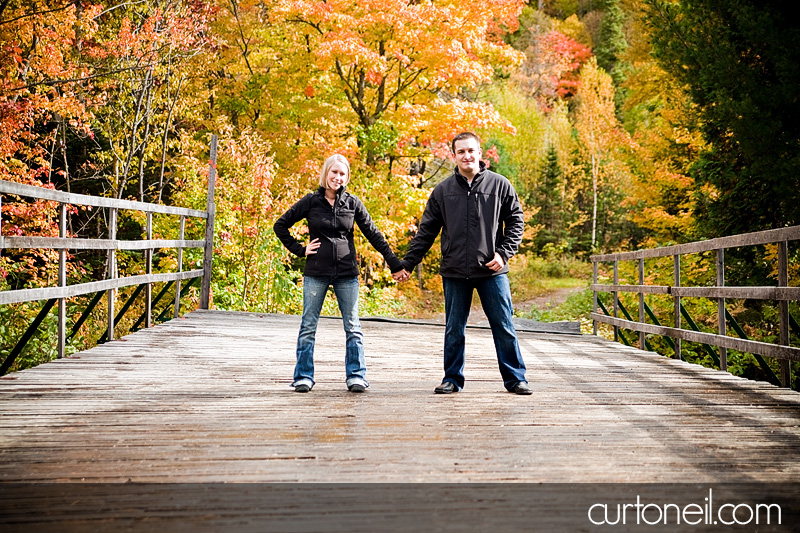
pixel 611 42
pixel 548 197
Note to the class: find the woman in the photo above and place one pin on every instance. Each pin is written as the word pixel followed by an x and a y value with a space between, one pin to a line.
pixel 331 261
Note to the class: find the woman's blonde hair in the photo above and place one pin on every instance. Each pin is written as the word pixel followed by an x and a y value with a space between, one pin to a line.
pixel 335 158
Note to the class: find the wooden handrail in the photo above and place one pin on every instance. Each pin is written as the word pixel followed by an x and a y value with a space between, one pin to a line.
pixel 30 191
pixel 781 293
pixel 59 243
pixel 69 291
pixel 734 241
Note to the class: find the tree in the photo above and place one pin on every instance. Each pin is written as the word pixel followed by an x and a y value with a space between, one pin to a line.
pixel 549 197
pixel 401 65
pixel 611 42
pixel 146 47
pixel 662 120
pixel 600 139
pixel 550 71
pixel 38 96
pixel 739 60
pixel 248 257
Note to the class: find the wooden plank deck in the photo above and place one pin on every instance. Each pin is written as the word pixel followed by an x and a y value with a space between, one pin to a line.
pixel 206 398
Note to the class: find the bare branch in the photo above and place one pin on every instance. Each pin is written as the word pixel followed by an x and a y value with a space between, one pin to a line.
pixel 244 41
pixel 4 4
pixel 124 4
pixel 72 80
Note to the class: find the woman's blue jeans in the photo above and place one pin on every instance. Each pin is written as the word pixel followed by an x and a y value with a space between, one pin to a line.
pixel 314 291
pixel 495 294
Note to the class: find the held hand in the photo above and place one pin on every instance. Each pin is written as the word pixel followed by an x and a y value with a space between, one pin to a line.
pixel 497 263
pixel 401 275
pixel 311 249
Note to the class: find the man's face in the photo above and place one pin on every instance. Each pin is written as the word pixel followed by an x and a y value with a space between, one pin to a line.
pixel 468 157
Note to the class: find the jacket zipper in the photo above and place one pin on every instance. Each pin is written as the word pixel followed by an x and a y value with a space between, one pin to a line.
pixel 469 224
pixel 335 247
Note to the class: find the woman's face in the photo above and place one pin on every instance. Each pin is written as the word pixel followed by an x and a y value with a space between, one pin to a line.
pixel 337 177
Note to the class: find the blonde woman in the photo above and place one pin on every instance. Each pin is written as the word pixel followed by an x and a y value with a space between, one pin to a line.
pixel 331 260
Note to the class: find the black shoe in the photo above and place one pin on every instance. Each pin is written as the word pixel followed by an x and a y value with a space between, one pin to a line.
pixel 356 387
pixel 445 388
pixel 302 388
pixel 522 388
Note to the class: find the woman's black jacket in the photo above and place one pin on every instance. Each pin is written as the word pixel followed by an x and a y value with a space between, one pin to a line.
pixel 333 226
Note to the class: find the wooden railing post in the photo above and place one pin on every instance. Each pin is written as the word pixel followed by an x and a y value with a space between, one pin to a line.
pixel 112 270
pixel 615 296
pixel 594 296
pixel 783 281
pixel 205 288
pixel 642 345
pixel 62 282
pixel 181 234
pixel 676 261
pixel 721 323
pixel 148 289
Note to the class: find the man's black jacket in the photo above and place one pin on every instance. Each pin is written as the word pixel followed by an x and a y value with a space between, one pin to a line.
pixel 333 226
pixel 475 222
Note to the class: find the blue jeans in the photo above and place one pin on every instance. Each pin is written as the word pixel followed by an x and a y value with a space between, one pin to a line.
pixel 495 294
pixel 314 291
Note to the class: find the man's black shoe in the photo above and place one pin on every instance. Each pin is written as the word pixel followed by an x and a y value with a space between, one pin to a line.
pixel 522 388
pixel 445 388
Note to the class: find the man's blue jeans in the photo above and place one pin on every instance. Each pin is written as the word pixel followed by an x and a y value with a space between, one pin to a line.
pixel 495 294
pixel 314 291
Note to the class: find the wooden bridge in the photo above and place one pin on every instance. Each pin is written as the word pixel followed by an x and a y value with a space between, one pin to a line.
pixel 206 398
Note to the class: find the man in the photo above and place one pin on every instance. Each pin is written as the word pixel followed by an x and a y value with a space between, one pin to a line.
pixel 481 221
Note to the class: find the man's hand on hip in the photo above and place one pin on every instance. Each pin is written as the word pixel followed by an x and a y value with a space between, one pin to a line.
pixel 497 263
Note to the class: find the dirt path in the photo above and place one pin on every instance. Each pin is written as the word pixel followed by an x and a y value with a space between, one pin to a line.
pixel 551 299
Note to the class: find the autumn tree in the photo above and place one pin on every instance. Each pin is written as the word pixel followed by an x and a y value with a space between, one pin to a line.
pixel 39 106
pixel 550 71
pixel 142 53
pixel 664 123
pixel 600 139
pixel 93 89
pixel 401 65
pixel 38 95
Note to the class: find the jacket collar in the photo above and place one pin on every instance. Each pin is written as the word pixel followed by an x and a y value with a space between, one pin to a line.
pixel 476 180
pixel 339 193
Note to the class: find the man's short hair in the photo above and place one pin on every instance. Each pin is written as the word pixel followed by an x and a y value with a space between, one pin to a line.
pixel 461 136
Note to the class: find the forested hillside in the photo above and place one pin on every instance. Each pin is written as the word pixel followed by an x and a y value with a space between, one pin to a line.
pixel 622 123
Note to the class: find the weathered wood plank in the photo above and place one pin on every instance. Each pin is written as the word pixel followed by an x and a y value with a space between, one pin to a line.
pixel 207 398
pixel 20 189
pixel 70 291
pixel 778 351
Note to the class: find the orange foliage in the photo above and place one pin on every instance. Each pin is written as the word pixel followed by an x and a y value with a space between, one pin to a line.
pixel 551 70
pixel 394 59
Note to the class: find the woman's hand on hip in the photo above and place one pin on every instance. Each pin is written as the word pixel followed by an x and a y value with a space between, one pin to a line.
pixel 311 249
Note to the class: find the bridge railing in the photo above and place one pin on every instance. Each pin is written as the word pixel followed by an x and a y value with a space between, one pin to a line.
pixel 782 293
pixel 62 291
